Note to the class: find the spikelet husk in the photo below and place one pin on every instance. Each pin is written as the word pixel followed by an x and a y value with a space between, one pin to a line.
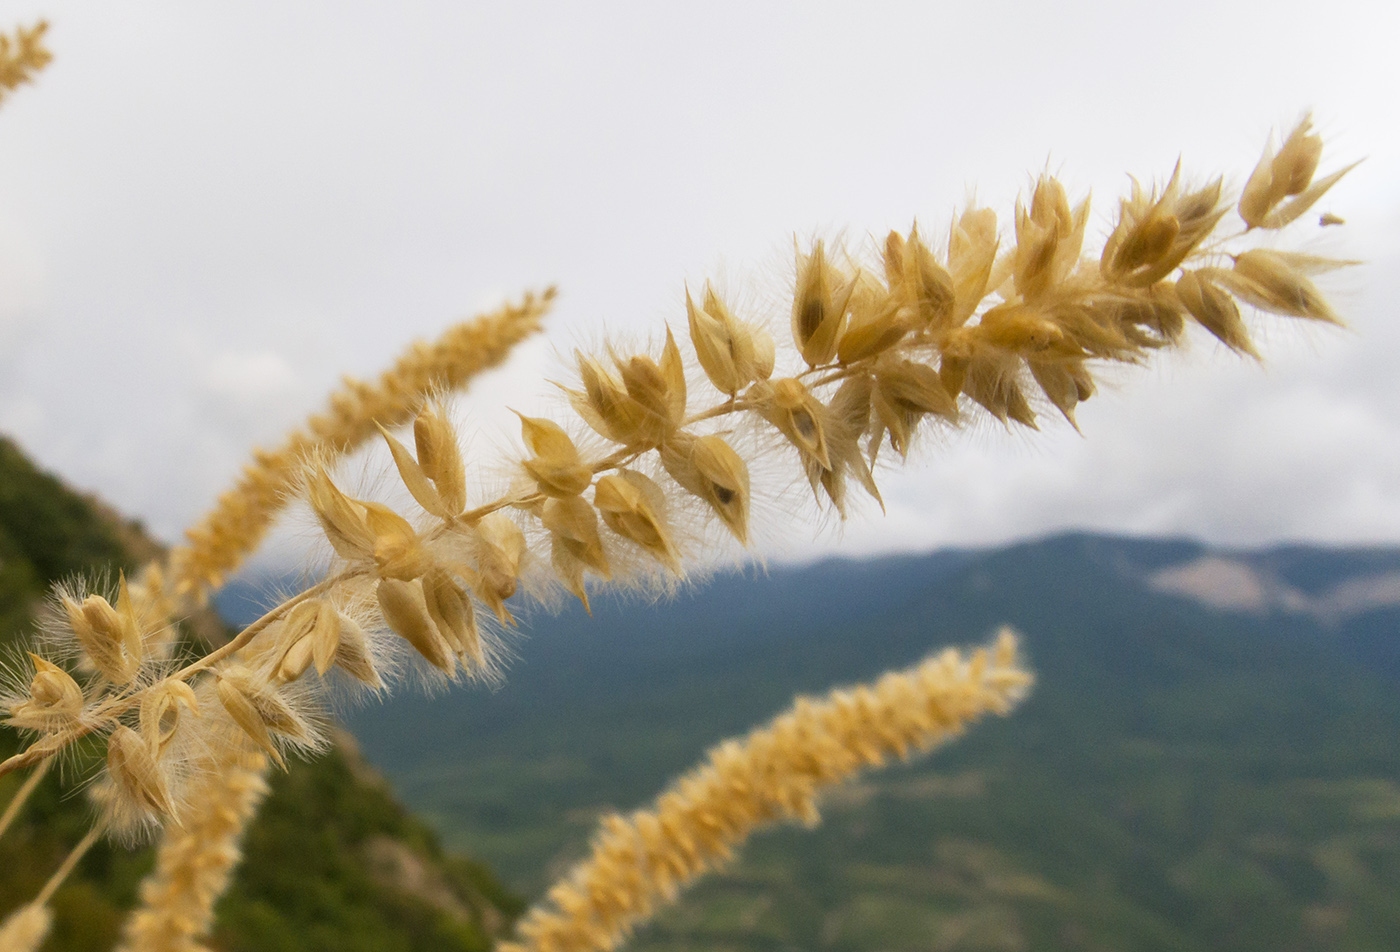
pixel 1214 309
pixel 54 702
pixel 879 319
pixel 500 550
pixel 415 479
pixel 972 252
pixel 709 468
pixel 110 637
pixel 342 519
pixel 398 551
pixel 139 781
pixel 800 417
pixel 556 466
pixel 405 610
pixel 917 280
pixel 1049 236
pixel 573 527
pixel 440 458
pixel 634 506
pixel 819 306
pixel 729 351
pixel 161 711
pixel 258 709
pixel 452 613
pixel 1275 282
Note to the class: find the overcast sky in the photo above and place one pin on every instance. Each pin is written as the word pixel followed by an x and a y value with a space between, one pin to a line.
pixel 210 212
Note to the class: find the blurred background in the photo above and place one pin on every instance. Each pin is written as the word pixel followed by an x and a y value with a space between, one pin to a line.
pixel 207 216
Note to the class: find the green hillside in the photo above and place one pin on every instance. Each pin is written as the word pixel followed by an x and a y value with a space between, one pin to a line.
pixel 1183 778
pixel 333 864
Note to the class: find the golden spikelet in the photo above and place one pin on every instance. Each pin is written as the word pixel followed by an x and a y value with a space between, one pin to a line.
pixel 775 773
pixel 21 56
pixel 220 541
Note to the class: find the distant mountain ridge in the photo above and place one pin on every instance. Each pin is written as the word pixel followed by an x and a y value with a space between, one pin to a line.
pixel 1185 776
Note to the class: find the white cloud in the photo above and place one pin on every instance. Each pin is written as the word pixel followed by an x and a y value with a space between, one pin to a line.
pixel 233 207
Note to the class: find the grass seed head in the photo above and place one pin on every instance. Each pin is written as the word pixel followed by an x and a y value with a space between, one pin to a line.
pixel 556 465
pixel 342 518
pixel 417 481
pixel 634 506
pixel 709 468
pixel 405 610
pixel 441 458
pixel 161 712
pixel 819 306
pixel 110 636
pixel 500 555
pixel 451 611
pixel 55 700
pixel 137 777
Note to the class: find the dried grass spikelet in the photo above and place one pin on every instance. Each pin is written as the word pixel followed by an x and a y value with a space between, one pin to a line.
pixel 195 859
pixel 1287 174
pixel 733 354
pixel 1214 309
pixel 315 633
pixel 634 506
pixel 1049 237
pixel 342 519
pixel 220 541
pixel 405 610
pixel 440 457
pixel 972 252
pixel 259 709
pixel 903 392
pixel 452 613
pixel 576 545
pixel 819 306
pixel 55 700
pixel 641 861
pixel 398 551
pixel 110 637
pixel 1277 281
pixel 879 319
pixel 1155 233
pixel 26 928
pixel 137 775
pixel 21 56
pixel 918 281
pixel 800 417
pixel 708 467
pixel 642 404
pixel 500 550
pixel 161 712
pixel 848 418
pixel 556 465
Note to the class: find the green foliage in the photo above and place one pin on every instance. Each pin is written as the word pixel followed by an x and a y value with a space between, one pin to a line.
pixel 313 877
